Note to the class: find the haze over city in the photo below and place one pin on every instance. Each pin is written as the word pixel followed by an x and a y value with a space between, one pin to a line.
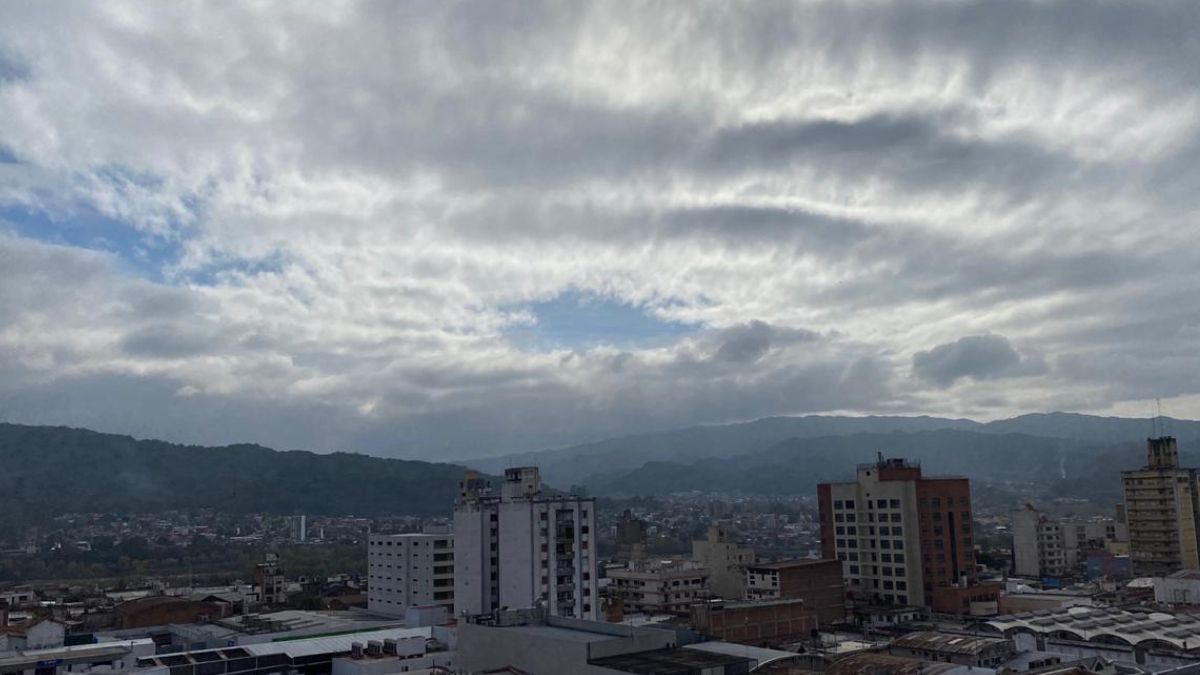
pixel 451 230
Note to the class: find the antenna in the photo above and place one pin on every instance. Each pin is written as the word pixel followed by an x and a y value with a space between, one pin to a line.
pixel 1158 404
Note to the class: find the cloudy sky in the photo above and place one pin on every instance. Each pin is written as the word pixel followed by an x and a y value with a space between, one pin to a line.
pixel 445 230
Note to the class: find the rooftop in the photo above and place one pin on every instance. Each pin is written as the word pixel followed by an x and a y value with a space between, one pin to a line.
pixel 669 661
pixel 1108 625
pixel 789 564
pixel 947 643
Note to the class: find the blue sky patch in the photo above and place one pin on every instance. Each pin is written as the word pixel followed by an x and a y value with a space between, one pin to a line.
pixel 574 319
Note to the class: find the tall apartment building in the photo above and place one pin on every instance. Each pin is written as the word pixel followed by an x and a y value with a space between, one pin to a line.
pixel 725 560
pixel 523 548
pixel 1050 547
pixel 409 570
pixel 1162 509
pixel 900 535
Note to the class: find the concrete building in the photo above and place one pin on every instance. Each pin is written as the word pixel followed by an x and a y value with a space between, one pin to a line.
pixel 535 643
pixel 380 652
pixel 725 560
pixel 1049 547
pixel 409 570
pixel 102 657
pixel 1180 589
pixel 1162 508
pixel 659 585
pixel 269 578
pixel 631 537
pixel 899 535
pixel 818 582
pixel 523 547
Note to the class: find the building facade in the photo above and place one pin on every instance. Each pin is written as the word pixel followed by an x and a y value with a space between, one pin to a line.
pixel 818 582
pixel 725 560
pixel 409 570
pixel 1049 547
pixel 1162 509
pixel 523 548
pixel 659 585
pixel 899 535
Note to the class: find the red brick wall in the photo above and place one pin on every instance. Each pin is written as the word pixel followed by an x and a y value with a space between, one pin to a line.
pixel 159 613
pixel 825 513
pixel 820 585
pixel 771 623
pixel 947 539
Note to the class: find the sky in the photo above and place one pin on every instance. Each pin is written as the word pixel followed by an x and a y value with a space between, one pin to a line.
pixel 446 230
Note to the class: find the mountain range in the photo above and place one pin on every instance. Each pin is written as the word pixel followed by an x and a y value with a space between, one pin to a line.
pixel 52 470
pixel 586 463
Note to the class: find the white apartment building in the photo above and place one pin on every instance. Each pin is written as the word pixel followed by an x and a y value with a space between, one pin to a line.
pixel 523 548
pixel 1050 547
pixel 409 570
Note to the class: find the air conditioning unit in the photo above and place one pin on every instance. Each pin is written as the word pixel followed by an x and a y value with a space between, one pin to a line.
pixel 389 647
pixel 356 650
pixel 375 648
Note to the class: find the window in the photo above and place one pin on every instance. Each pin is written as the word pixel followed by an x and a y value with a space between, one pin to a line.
pixel 839 517
pixel 885 557
pixel 895 517
pixel 895 503
pixel 899 557
pixel 839 530
pixel 838 504
pixel 850 517
pixel 898 544
pixel 885 530
pixel 851 530
pixel 884 543
pixel 849 503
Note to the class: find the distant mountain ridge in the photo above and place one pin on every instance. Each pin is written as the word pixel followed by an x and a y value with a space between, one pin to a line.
pixel 577 464
pixel 46 471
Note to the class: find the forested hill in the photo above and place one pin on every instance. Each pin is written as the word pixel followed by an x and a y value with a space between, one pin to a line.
pixel 51 470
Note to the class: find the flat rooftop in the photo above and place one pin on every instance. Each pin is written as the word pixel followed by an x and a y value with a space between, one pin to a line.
pixel 669 661
pixel 789 564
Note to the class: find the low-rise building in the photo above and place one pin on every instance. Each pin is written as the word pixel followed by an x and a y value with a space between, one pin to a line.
pixel 818 582
pixel 1180 590
pixel 765 622
pixel 659 585
pixel 967 650
pixel 537 643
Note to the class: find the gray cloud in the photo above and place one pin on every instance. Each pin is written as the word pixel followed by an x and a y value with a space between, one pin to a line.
pixel 356 201
pixel 980 357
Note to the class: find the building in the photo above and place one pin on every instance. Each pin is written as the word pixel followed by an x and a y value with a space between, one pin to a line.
pixel 523 547
pixel 160 610
pixel 1048 547
pixel 102 657
pixel 764 622
pixel 966 650
pixel 36 633
pixel 659 585
pixel 725 561
pixel 1162 510
pixel 378 652
pixel 1180 589
pixel 268 576
pixel 899 534
pixel 407 570
pixel 631 537
pixel 537 643
pixel 818 582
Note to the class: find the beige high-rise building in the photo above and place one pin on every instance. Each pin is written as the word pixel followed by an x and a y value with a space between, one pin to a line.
pixel 1162 508
pixel 725 560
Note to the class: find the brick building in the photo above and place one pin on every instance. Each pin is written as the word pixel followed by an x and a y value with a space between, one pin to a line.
pixel 161 610
pixel 768 623
pixel 818 582
pixel 900 535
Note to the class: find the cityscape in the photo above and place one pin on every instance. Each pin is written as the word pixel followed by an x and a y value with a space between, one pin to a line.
pixel 893 569
pixel 670 337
